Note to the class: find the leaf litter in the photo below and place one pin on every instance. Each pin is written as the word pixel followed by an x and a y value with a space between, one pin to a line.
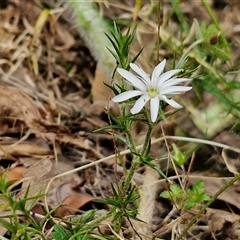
pixel 47 74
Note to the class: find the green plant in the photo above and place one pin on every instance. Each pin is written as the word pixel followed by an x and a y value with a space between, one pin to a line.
pixel 17 218
pixel 188 198
pixel 157 90
pixel 79 227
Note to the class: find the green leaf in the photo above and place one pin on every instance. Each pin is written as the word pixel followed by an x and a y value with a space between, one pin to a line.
pixel 124 140
pixel 60 233
pixel 216 51
pixel 165 194
pixel 209 32
pixel 177 192
pixel 11 228
pixel 190 204
pixel 85 217
pixel 213 89
pixel 198 30
pixel 174 193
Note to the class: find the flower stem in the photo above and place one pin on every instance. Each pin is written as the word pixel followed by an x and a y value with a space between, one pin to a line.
pixel 147 141
pixel 131 171
pixel 136 158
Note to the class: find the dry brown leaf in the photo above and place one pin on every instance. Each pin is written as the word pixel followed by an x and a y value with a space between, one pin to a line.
pixel 15 173
pixel 78 142
pixel 23 149
pixel 225 222
pixel 101 94
pixel 63 36
pixel 36 176
pixel 231 160
pixel 72 203
pixel 21 107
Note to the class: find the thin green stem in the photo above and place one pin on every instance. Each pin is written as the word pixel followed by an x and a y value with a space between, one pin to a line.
pixel 211 13
pixel 207 66
pixel 202 210
pixel 131 171
pixel 147 141
pixel 130 140
pixel 136 159
pixel 189 49
pixel 134 164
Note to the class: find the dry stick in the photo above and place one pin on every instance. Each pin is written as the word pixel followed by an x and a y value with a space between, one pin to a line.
pixel 147 202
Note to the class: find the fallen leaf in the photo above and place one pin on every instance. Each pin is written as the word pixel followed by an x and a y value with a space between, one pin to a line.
pixel 15 173
pixel 232 160
pixel 101 94
pixel 23 149
pixel 228 224
pixel 78 142
pixel 36 179
pixel 72 204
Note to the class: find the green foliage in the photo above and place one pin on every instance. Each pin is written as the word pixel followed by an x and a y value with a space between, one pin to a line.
pixel 176 9
pixel 60 233
pixel 175 192
pixel 78 227
pixel 212 42
pixel 121 203
pixel 14 208
pixel 121 44
pixel 179 157
pixel 196 195
pixel 204 50
pixel 187 198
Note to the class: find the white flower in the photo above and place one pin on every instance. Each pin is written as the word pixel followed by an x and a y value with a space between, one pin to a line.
pixel 159 87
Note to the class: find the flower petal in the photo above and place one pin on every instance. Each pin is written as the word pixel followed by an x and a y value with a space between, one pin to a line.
pixel 158 71
pixel 165 76
pixel 126 95
pixel 171 102
pixel 132 79
pixel 140 72
pixel 175 81
pixel 154 107
pixel 139 104
pixel 174 90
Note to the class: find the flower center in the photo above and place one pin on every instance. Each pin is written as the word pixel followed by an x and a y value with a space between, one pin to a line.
pixel 152 92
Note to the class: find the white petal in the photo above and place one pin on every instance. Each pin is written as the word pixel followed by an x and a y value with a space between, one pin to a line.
pixel 174 90
pixel 158 71
pixel 175 81
pixel 133 80
pixel 139 104
pixel 171 102
pixel 140 72
pixel 165 76
pixel 126 95
pixel 154 107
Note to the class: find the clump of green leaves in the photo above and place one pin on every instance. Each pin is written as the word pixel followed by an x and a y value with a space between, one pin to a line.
pixel 78 228
pixel 121 44
pixel 15 210
pixel 179 157
pixel 188 198
pixel 122 204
